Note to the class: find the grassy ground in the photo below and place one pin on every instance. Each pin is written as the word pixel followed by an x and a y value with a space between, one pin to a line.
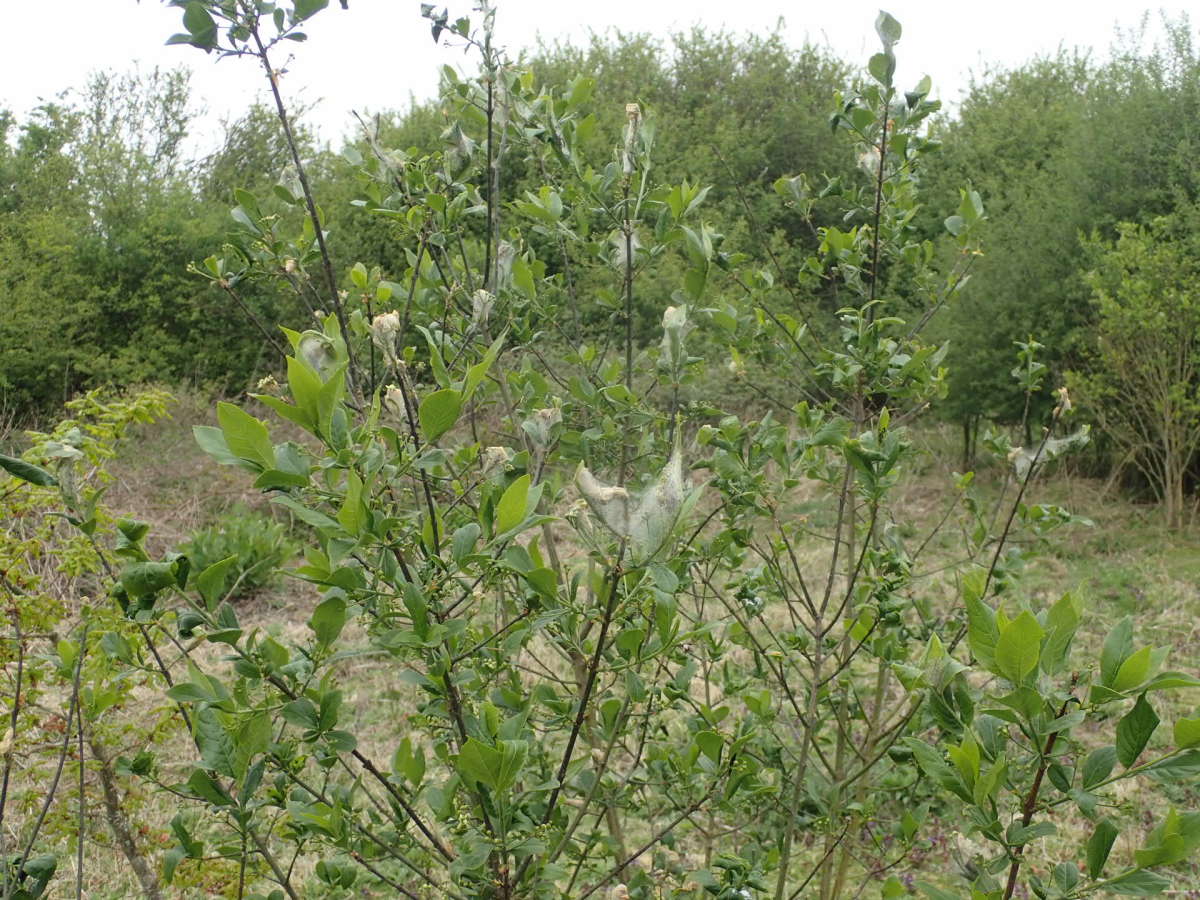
pixel 1124 562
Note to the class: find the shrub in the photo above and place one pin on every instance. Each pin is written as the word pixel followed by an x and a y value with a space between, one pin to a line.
pixel 256 545
pixel 617 681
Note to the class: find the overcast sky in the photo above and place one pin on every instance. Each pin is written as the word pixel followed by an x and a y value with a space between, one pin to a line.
pixel 379 53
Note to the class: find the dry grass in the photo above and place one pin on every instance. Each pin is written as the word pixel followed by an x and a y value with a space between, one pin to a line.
pixel 1125 563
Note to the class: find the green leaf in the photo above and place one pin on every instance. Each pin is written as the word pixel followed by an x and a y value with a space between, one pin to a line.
pixel 143 578
pixel 212 441
pixel 1166 844
pixel 982 632
pixel 305 385
pixel 1187 733
pixel 1062 621
pixel 1168 681
pixel 309 516
pixel 1133 671
pixel 882 67
pixel 301 713
pixel 251 737
pixel 211 582
pixel 188 692
pixel 353 516
pixel 522 277
pixel 18 468
pixel 246 436
pixel 512 757
pixel 1099 845
pixel 306 8
pixel 966 759
pixel 277 479
pixel 328 620
pixel 1117 648
pixel 887 28
pixel 438 413
pixel 206 787
pixel 628 640
pixel 1098 766
pixel 710 744
pixel 1019 647
pixel 1134 731
pixel 1066 876
pixel 200 25
pixel 932 764
pixel 35 875
pixel 477 762
pixel 510 511
pixel 1138 883
pixel 1018 835
pixel 409 763
pixel 1181 767
pixel 478 372
pixel 215 743
pixel 462 543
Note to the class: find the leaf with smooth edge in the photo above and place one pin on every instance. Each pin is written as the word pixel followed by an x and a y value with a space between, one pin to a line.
pixel 246 436
pixel 887 28
pixel 1098 766
pixel 1167 681
pixel 512 757
pixel 1187 733
pixel 478 372
pixel 287 411
pixel 301 713
pixel 201 27
pixel 306 8
pixel 1019 647
pixel 438 413
pixel 1139 883
pixel 142 578
pixel 204 786
pixel 982 632
pixel 277 480
pixel 214 742
pixel 212 441
pixel 1181 767
pixel 1171 842
pixel 305 385
pixel 1099 845
pixel 18 468
pixel 1061 623
pixel 1117 648
pixel 306 515
pixel 409 762
pixel 479 763
pixel 211 582
pixel 882 67
pixel 353 514
pixel 1133 671
pixel 463 541
pixel 328 620
pixel 1066 876
pixel 710 744
pixel 1134 731
pixel 510 511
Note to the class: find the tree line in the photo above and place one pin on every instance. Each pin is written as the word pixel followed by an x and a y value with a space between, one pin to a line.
pixel 105 214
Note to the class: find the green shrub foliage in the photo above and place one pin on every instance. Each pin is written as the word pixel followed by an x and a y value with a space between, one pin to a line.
pixel 253 546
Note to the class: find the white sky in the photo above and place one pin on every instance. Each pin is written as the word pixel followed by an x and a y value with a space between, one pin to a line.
pixel 379 53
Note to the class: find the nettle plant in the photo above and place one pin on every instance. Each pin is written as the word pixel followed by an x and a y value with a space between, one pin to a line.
pixel 546 659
